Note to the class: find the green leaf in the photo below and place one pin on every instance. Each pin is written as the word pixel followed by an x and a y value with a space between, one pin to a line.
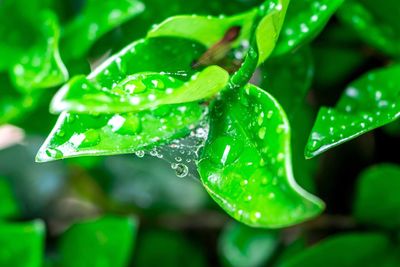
pixel 96 19
pixel 107 241
pixel 246 162
pixel 112 134
pixel 240 245
pixel 288 79
pixel 170 248
pixel 264 35
pixel 349 250
pixel 375 23
pixel 368 103
pixel 204 29
pixel 377 198
pixel 22 244
pixel 137 92
pixel 42 67
pixel 8 207
pixel 304 21
pixel 14 104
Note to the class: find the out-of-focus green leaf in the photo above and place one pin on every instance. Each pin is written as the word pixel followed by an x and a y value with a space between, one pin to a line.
pixel 349 250
pixel 288 79
pixel 246 162
pixel 368 103
pixel 242 246
pixel 22 244
pixel 151 183
pixel 42 67
pixel 103 242
pixel 170 249
pixel 96 19
pixel 376 23
pixel 8 206
pixel 137 92
pixel 14 104
pixel 95 135
pixel 377 197
pixel 304 20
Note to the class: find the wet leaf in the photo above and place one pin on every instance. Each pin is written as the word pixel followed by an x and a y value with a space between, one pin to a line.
pixel 241 245
pixel 137 92
pixel 246 163
pixel 107 241
pixel 8 207
pixel 347 250
pixel 42 67
pixel 377 197
pixel 96 19
pixel 368 103
pixel 304 21
pixel 22 244
pixel 375 23
pixel 94 135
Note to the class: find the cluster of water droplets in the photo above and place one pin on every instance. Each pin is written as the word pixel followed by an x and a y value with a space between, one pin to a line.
pixel 182 153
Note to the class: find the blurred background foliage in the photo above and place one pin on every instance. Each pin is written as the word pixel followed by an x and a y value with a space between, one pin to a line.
pixel 131 211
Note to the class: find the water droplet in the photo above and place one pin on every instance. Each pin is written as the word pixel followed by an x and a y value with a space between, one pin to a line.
pixel 140 153
pixel 225 150
pixel 261 132
pixel 54 153
pixel 130 126
pixel 181 169
pixel 91 138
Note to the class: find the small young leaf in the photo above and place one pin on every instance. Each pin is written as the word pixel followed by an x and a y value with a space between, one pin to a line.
pixel 246 162
pixel 42 66
pixel 349 250
pixel 107 241
pixel 112 134
pixel 8 206
pixel 240 245
pixel 304 20
pixel 368 103
pixel 377 197
pixel 22 244
pixel 375 23
pixel 96 19
pixel 138 92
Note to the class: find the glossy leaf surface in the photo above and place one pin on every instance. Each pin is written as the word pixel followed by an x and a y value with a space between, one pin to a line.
pixel 377 196
pixel 376 23
pixel 107 241
pixel 93 135
pixel 368 103
pixel 304 20
pixel 137 92
pixel 96 19
pixel 348 250
pixel 22 244
pixel 42 67
pixel 8 206
pixel 246 163
pixel 240 245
